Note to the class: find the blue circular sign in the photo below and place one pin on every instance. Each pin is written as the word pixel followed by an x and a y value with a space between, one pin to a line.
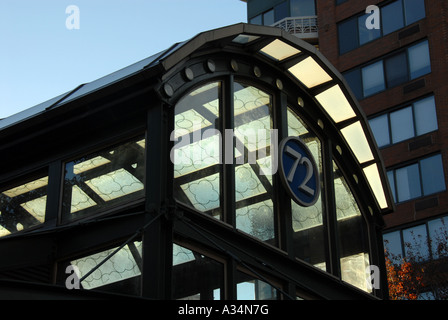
pixel 298 171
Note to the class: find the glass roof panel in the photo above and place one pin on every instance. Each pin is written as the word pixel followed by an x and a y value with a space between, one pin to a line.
pixel 278 50
pixel 356 139
pixel 115 184
pixel 310 73
pixel 373 176
pixel 336 104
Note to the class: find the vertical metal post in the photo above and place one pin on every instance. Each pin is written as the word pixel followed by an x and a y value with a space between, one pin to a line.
pixel 331 223
pixel 157 238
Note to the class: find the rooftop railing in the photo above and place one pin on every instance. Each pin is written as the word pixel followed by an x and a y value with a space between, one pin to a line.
pixel 302 27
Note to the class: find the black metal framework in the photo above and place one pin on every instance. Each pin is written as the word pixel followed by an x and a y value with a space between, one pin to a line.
pixel 232 261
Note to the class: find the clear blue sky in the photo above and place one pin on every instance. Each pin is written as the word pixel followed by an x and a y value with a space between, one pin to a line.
pixel 40 58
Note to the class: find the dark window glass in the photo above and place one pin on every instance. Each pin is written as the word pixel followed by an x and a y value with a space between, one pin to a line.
pixel 392 17
pixel 103 179
pixel 268 18
pixel 419 60
pixel 281 11
pixel 396 70
pixel 348 35
pixel 301 8
pixel 433 178
pixel 414 10
pixel 196 276
pixel 257 20
pixel 23 205
pixel 353 79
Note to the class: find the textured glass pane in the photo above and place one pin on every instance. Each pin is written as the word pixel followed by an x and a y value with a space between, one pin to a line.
pixel 308 222
pixel 425 115
pixel 196 276
pixel 392 17
pixel 380 129
pixel 366 35
pixel 402 124
pixel 253 170
pixel 433 177
pixel 373 78
pixel 414 10
pixel 23 206
pixel 419 60
pixel 353 235
pixel 120 273
pixel 408 182
pixel 348 35
pixel 416 244
pixel 396 70
pixel 197 149
pixel 103 179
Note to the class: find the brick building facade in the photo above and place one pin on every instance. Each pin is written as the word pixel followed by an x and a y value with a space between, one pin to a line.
pixel 399 75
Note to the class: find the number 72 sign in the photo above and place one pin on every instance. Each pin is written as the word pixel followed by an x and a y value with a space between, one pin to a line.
pixel 299 172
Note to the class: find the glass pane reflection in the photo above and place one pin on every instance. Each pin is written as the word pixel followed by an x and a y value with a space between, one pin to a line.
pixel 307 222
pixel 353 234
pixel 23 206
pixel 103 179
pixel 120 273
pixel 253 172
pixel 195 276
pixel 250 288
pixel 197 149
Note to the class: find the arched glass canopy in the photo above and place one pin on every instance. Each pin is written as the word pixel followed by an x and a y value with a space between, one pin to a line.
pixel 237 164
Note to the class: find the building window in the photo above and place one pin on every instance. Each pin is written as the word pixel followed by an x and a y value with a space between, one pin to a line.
pixel 352 33
pixel 103 179
pixel 23 205
pixel 390 71
pixel 271 16
pixel 422 178
pixel 373 78
pixel 303 8
pixel 420 242
pixel 405 123
pixel 196 276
